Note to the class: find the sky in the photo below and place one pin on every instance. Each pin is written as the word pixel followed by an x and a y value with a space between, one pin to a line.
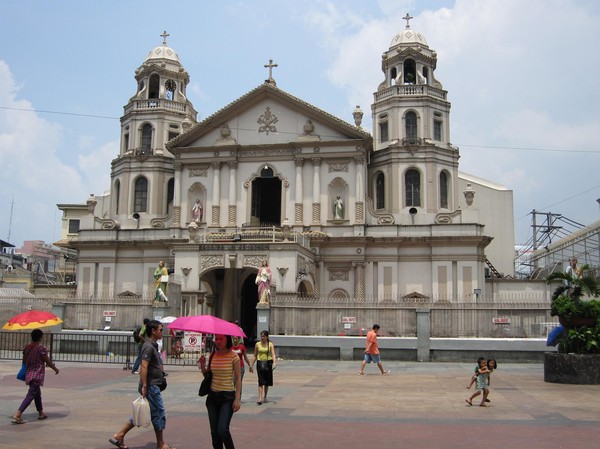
pixel 522 77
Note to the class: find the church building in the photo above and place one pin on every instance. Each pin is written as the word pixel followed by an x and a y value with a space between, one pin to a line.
pixel 336 211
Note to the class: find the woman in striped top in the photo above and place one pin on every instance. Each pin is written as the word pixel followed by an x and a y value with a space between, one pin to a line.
pixel 225 390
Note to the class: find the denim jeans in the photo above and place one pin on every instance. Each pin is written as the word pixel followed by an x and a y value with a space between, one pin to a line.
pixel 158 415
pixel 220 411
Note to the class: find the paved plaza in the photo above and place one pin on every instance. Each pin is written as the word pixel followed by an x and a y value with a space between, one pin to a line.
pixel 315 404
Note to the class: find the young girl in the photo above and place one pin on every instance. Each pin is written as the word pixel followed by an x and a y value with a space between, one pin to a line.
pixel 240 349
pixel 491 365
pixel 481 384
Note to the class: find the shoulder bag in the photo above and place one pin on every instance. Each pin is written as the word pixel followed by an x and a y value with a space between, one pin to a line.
pixel 206 382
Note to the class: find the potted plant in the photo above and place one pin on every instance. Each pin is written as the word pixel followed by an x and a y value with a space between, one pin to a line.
pixel 568 302
pixel 578 358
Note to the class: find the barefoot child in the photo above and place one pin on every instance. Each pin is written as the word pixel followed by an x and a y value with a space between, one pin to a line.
pixel 481 384
pixel 492 365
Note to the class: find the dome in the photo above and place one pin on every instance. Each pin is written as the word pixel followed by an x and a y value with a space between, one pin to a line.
pixel 163 52
pixel 408 36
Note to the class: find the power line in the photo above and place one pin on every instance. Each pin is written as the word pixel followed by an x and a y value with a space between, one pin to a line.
pixel 555 150
pixel 60 113
pixel 491 147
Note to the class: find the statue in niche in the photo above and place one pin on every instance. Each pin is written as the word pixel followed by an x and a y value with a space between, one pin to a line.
pixel 338 209
pixel 197 211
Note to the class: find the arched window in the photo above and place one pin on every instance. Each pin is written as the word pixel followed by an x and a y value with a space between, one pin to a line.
pixel 411 127
pixel 410 71
pixel 412 187
pixel 146 139
pixel 170 192
pixel 140 199
pixel 154 86
pixel 117 195
pixel 443 190
pixel 380 191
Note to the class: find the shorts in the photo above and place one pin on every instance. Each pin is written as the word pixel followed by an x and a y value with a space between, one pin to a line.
pixel 372 358
pixel 158 415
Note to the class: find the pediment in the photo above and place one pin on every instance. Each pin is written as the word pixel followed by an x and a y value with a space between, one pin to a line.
pixel 128 294
pixel 267 116
pixel 415 297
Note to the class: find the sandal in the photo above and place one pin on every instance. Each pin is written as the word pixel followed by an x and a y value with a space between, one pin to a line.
pixel 17 421
pixel 119 443
pixel 468 402
pixel 42 416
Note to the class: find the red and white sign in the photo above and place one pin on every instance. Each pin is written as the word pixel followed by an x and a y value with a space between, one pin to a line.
pixel 192 342
pixel 349 319
pixel 109 313
pixel 501 320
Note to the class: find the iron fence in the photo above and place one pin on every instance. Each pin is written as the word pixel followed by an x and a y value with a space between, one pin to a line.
pixel 72 346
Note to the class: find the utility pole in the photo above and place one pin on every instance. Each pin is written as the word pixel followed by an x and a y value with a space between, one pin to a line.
pixel 12 205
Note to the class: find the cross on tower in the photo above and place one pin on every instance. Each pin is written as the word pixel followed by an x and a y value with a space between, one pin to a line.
pixel 270 65
pixel 407 17
pixel 164 35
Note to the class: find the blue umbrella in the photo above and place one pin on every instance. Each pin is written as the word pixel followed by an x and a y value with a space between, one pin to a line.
pixel 553 335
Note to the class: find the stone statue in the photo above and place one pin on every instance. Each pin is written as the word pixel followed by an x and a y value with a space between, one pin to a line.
pixel 338 209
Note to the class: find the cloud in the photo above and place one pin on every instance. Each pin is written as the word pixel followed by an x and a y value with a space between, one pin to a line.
pixel 35 176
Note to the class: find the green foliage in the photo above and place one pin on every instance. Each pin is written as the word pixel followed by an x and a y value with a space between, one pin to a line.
pixel 580 340
pixel 567 303
pixel 566 307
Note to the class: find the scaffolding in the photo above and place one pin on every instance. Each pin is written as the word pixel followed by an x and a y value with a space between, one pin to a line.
pixel 555 240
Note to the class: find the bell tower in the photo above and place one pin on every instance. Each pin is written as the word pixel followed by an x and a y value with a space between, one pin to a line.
pixel 142 176
pixel 414 170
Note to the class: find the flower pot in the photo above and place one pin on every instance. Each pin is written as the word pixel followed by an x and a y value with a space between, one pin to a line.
pixel 576 321
pixel 578 369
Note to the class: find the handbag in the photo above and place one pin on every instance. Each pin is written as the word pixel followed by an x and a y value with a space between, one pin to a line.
pixel 22 372
pixel 206 382
pixel 141 412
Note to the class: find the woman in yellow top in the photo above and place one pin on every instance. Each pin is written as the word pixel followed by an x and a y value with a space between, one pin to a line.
pixel 225 390
pixel 264 352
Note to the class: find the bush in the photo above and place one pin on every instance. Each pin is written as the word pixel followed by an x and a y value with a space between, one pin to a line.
pixel 580 340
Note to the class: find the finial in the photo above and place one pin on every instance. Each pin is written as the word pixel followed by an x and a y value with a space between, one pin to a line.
pixel 407 17
pixel 270 65
pixel 164 35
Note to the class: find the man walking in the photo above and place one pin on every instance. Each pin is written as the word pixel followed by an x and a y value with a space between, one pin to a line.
pixel 372 352
pixel 151 377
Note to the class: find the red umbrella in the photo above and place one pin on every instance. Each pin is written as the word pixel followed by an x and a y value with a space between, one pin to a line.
pixel 206 324
pixel 32 320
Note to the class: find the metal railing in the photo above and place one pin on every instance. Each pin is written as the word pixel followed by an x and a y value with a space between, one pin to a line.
pixel 91 347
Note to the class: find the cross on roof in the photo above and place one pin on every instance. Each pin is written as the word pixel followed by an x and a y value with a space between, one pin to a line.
pixel 164 35
pixel 270 65
pixel 407 17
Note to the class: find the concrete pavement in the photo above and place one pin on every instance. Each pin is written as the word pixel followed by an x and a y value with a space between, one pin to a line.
pixel 323 404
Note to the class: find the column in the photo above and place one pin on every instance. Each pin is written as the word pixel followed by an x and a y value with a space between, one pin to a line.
pixel 423 334
pixel 232 213
pixel 299 205
pixel 359 214
pixel 216 197
pixel 228 294
pixel 317 280
pixel 359 281
pixel 316 207
pixel 177 196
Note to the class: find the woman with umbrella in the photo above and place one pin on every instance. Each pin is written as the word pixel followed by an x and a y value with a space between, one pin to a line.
pixel 35 357
pixel 223 400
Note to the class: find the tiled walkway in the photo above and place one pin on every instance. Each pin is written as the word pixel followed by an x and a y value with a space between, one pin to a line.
pixel 315 405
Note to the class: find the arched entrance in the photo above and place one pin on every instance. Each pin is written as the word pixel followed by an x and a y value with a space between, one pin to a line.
pixel 248 309
pixel 266 199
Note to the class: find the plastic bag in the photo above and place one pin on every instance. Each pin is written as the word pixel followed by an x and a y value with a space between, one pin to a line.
pixel 141 412
pixel 21 373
